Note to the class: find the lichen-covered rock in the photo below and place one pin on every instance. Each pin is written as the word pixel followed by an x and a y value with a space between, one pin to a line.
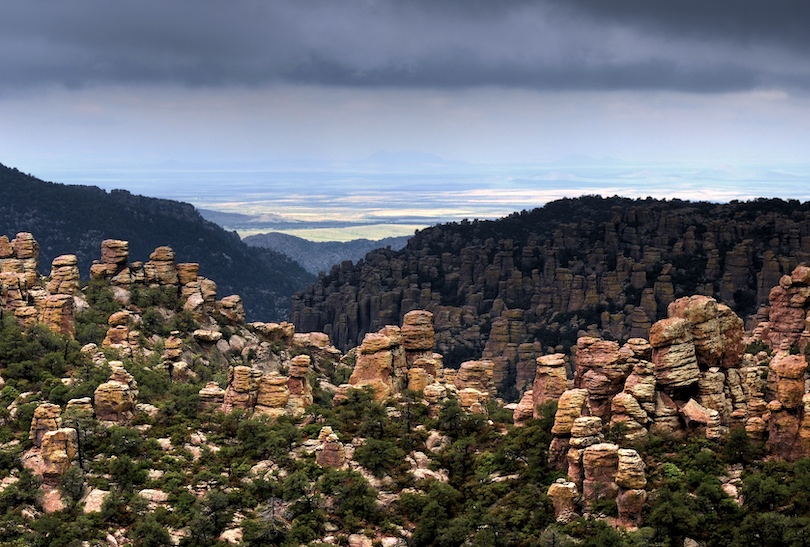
pixel 47 417
pixel 272 395
pixel 599 367
pixel 473 400
pixel 298 385
pixel 211 396
pixel 58 450
pixel 474 375
pixel 115 399
pixel 789 303
pixel 243 384
pixel 524 410
pixel 550 380
pixel 600 464
pixel 783 434
pixel 187 272
pixel 231 310
pixel 674 353
pixel 804 428
pixel 375 365
pixel 418 379
pixel 586 431
pixel 572 405
pixel 789 371
pixel 79 407
pixel 564 496
pixel 64 278
pixel 114 251
pixel 330 452
pixel 630 505
pixel 630 471
pixel 58 313
pixel 417 331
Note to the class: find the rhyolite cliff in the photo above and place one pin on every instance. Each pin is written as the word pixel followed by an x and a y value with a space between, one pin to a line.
pixel 535 281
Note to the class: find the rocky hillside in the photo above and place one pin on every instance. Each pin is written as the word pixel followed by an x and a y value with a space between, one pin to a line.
pixel 535 281
pixel 318 257
pixel 142 409
pixel 75 219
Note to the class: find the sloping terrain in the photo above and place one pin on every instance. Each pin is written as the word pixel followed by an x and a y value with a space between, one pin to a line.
pixel 534 281
pixel 318 257
pixel 76 219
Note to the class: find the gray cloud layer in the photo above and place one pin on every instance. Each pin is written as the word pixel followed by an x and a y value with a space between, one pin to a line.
pixel 689 45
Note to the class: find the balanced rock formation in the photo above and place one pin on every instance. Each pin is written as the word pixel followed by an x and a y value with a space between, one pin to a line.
pixel 58 450
pixel 330 452
pixel 47 417
pixel 115 400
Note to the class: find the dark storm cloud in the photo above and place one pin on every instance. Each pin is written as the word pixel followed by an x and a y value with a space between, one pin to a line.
pixel 720 45
pixel 781 23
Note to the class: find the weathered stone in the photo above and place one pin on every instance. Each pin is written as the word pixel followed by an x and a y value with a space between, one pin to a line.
pixel 232 310
pixel 630 504
pixel 571 405
pixel 674 353
pixel 417 331
pixel 600 464
pixel 473 400
pixel 58 313
pixel 783 435
pixel 418 379
pixel 187 272
pixel 47 417
pixel 586 431
pixel 115 399
pixel 80 406
pixel 58 450
pixel 207 336
pixel 64 278
pixel 550 379
pixel 330 451
pixel 630 471
pixel 243 383
pixel 211 396
pixel 790 378
pixel 524 410
pixel 564 497
pixel 114 251
pixel 272 395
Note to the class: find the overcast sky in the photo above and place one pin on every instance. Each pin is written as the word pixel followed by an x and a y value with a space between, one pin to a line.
pixel 100 83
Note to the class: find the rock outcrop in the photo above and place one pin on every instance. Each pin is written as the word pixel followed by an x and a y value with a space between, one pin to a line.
pixel 115 400
pixel 534 282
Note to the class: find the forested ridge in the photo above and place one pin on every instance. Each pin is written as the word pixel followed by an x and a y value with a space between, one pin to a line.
pixel 75 219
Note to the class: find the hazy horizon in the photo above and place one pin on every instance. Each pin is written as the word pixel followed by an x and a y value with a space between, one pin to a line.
pixel 326 201
pixel 250 104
